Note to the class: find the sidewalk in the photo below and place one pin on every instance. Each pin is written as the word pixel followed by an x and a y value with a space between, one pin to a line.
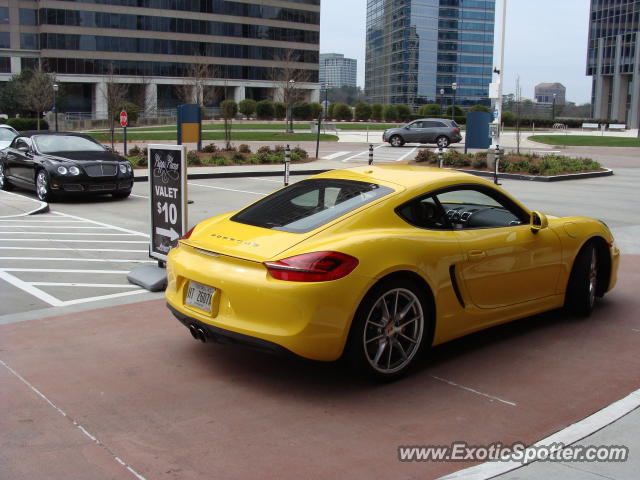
pixel 13 205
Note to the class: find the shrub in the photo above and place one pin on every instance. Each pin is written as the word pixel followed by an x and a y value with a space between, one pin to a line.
pixel 390 113
pixel 247 107
pixel 21 124
pixel 315 109
pixel 430 110
pixel 220 160
pixel 457 111
pixel 244 148
pixel 508 118
pixel 228 109
pixel 330 110
pixel 210 148
pixel 480 108
pixel 403 112
pixel 133 112
pixel 265 109
pixel 457 159
pixel 376 112
pixel 363 111
pixel 142 161
pixel 342 111
pixel 300 152
pixel 427 156
pixel 238 157
pixel 279 110
pixel 301 111
pixel 479 161
pixel 193 158
pixel 263 150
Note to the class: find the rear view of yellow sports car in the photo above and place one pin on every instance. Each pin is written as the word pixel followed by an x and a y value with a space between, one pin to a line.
pixel 379 263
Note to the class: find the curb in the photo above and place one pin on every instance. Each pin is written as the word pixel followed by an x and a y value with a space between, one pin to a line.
pixel 539 178
pixel 269 173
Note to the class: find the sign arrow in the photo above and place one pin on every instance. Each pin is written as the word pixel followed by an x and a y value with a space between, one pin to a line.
pixel 172 234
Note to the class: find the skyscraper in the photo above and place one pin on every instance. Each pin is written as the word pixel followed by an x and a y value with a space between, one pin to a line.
pixel 336 71
pixel 153 46
pixel 417 49
pixel 613 60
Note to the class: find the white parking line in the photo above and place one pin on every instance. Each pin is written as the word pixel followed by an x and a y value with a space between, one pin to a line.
pixel 71 241
pixel 74 284
pixel 265 179
pixel 227 189
pixel 28 220
pixel 52 226
pixel 62 259
pixel 335 155
pixel 361 153
pixel 133 232
pixel 139 196
pixel 36 292
pixel 74 233
pixel 60 270
pixel 59 249
pixel 406 155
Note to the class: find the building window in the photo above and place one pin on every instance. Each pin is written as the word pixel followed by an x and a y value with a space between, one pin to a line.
pixel 28 17
pixel 4 15
pixel 5 65
pixel 4 40
pixel 29 41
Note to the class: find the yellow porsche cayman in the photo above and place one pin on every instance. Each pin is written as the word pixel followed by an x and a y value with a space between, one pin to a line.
pixel 379 263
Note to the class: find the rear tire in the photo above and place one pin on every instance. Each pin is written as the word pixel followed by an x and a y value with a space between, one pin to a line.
pixel 4 183
pixel 396 141
pixel 582 289
pixel 389 330
pixel 442 141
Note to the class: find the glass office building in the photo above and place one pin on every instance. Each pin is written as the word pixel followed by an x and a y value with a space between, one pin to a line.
pixel 155 43
pixel 613 60
pixel 417 50
pixel 336 71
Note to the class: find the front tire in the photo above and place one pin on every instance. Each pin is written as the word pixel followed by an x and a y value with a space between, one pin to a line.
pixel 582 289
pixel 442 141
pixel 396 141
pixel 4 183
pixel 43 186
pixel 121 195
pixel 389 330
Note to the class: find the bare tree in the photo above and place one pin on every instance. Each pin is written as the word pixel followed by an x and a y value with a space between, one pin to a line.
pixel 39 93
pixel 114 94
pixel 193 89
pixel 289 76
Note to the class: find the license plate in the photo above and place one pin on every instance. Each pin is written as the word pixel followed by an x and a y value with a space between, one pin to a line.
pixel 199 296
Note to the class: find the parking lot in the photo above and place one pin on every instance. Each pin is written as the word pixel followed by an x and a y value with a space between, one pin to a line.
pixel 99 377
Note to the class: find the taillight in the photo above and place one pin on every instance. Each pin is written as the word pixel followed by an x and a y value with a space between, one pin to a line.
pixel 188 234
pixel 456 130
pixel 312 267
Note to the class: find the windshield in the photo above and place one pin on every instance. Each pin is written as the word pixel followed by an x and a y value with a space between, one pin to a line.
pixel 66 143
pixel 6 135
pixel 308 204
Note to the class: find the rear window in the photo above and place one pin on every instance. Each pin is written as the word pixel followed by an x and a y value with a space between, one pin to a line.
pixel 309 204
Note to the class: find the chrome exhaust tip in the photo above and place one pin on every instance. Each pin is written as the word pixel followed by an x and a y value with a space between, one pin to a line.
pixel 201 335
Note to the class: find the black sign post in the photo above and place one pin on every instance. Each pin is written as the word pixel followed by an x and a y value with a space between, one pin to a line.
pixel 168 194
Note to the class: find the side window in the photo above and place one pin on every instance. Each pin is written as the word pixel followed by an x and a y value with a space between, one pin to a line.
pixel 22 142
pixel 432 124
pixel 469 208
pixel 424 213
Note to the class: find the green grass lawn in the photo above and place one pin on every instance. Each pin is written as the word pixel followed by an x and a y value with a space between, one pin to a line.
pixel 586 141
pixel 246 136
pixel 267 126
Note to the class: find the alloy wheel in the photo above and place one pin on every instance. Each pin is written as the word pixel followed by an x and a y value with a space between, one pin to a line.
pixel 393 330
pixel 1 176
pixel 593 277
pixel 42 185
pixel 443 142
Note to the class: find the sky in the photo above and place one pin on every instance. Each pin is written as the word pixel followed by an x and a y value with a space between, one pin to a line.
pixel 546 41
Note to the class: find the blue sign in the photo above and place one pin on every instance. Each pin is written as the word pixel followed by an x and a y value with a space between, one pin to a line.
pixel 496 112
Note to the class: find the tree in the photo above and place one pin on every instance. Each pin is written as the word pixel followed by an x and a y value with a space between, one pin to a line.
pixel 316 109
pixel 289 76
pixel 247 107
pixel 279 110
pixel 264 109
pixel 228 110
pixel 363 111
pixel 193 89
pixel 480 108
pixel 390 113
pixel 348 95
pixel 301 111
pixel 39 93
pixel 342 111
pixel 133 112
pixel 430 110
pixel 114 94
pixel 457 111
pixel 376 111
pixel 12 94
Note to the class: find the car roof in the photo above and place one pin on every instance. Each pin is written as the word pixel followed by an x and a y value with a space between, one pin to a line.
pixel 33 133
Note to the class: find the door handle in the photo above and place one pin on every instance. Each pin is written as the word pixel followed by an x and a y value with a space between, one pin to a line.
pixel 477 254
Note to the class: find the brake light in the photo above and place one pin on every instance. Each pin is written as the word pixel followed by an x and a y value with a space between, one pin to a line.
pixel 312 267
pixel 456 130
pixel 188 234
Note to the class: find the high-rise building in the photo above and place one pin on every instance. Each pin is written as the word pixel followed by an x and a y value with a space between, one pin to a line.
pixel 337 71
pixel 613 60
pixel 155 45
pixel 551 93
pixel 419 51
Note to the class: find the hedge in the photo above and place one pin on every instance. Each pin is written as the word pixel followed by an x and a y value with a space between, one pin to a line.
pixel 22 124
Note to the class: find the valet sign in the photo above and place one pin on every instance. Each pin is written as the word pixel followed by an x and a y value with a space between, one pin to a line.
pixel 168 194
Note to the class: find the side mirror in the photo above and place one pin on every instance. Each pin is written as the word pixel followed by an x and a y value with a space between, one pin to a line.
pixel 23 149
pixel 407 127
pixel 538 221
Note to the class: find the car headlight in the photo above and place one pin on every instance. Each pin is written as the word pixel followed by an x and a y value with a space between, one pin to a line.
pixel 62 170
pixel 123 168
pixel 129 168
pixel 74 170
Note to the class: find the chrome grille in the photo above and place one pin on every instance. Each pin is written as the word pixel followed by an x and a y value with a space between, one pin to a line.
pixel 101 170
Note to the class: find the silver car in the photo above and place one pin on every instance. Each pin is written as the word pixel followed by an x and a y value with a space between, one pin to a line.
pixel 440 131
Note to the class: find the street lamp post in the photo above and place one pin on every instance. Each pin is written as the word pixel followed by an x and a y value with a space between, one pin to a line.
pixel 454 87
pixel 290 87
pixel 553 109
pixel 500 71
pixel 55 107
pixel 442 97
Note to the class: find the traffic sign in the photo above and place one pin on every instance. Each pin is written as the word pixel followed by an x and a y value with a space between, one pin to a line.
pixel 168 184
pixel 124 119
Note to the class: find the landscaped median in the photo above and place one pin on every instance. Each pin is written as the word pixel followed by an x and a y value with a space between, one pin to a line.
pixel 216 135
pixel 586 140
pixel 518 166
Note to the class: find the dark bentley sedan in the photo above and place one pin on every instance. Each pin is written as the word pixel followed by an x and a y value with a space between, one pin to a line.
pixel 63 163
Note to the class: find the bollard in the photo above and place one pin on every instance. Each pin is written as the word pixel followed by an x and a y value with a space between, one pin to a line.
pixel 287 159
pixel 496 165
pixel 440 157
pixel 371 154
